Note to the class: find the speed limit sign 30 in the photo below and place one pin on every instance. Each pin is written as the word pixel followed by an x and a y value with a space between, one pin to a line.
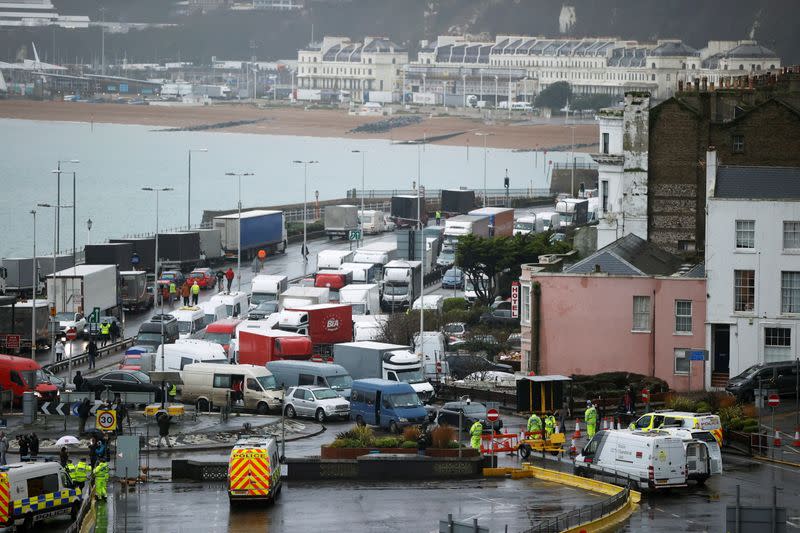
pixel 106 420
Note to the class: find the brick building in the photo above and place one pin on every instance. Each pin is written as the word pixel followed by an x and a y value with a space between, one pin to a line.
pixel 749 120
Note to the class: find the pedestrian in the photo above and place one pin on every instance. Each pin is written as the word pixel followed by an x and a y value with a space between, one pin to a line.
pixel 549 425
pixel 78 379
pixel 164 294
pixel 92 451
pixel 22 441
pixel 237 391
pixel 100 473
pixel 475 433
pixel 627 402
pixel 122 414
pixel 91 349
pixel 591 419
pixel 195 292
pixel 83 415
pixel 185 293
pixel 173 292
pixel 116 333
pixel 105 332
pixel 3 448
pixel 172 392
pixel 33 442
pixel 80 473
pixel 229 277
pixel 63 457
pixel 535 426
pixel 101 452
pixel 601 407
pixel 164 421
pixel 220 277
pixel 438 217
pixel 59 350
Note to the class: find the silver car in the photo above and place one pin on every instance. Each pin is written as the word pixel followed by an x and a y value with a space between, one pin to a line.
pixel 319 403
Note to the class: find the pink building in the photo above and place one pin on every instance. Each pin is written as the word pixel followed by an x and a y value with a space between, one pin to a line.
pixel 628 307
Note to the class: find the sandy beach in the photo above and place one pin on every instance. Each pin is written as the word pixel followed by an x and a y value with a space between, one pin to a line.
pixel 521 135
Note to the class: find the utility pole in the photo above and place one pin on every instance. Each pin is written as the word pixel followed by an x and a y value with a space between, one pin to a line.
pixel 103 41
pixel 35 286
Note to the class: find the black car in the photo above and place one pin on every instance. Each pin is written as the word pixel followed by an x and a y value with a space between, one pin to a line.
pixel 122 381
pixel 150 332
pixel 781 376
pixel 462 366
pixel 499 317
pixel 472 412
pixel 263 310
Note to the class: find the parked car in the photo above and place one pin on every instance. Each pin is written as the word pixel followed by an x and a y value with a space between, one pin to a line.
pixel 205 277
pixel 168 276
pixel 455 331
pixel 453 279
pixel 781 376
pixel 472 412
pixel 70 320
pixel 122 381
pixel 514 342
pixel 263 310
pixel 464 365
pixel 499 317
pixel 319 403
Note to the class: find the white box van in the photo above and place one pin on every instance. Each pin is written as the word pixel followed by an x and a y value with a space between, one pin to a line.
pixel 44 490
pixel 208 385
pixel 189 351
pixel 333 259
pixel 429 302
pixel 235 303
pixel 191 319
pixel 709 461
pixel 369 327
pixel 265 288
pixel 212 312
pixel 650 460
pixel 364 298
pixel 434 365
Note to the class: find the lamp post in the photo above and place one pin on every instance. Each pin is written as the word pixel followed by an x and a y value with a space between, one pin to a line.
pixel 189 193
pixel 239 229
pixel 484 135
pixel 305 217
pixel 572 162
pixel 58 197
pixel 363 174
pixel 35 286
pixel 89 231
pixel 158 190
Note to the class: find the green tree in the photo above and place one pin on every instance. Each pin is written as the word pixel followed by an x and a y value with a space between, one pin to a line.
pixel 554 96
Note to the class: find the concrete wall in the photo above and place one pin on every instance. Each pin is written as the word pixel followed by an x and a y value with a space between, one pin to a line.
pixel 586 325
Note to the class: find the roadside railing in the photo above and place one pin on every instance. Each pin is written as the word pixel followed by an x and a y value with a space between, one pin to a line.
pixel 582 515
pixel 82 358
pixel 87 494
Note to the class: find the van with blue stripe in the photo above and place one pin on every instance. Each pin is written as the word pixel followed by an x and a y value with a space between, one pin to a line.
pixel 35 491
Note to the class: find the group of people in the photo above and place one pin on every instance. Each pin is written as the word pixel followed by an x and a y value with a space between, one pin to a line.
pixel 548 422
pixel 107 331
pixel 28 445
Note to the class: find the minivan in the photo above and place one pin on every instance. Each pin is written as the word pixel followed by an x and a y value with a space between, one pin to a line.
pixel 781 376
pixel 190 320
pixel 150 332
pixel 296 373
pixel 387 404
pixel 208 385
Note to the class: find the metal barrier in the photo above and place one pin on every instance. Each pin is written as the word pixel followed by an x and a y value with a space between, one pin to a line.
pixel 582 515
pixel 82 358
pixel 86 505
pixel 499 443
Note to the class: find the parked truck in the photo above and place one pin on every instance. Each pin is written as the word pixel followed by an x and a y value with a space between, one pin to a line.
pixel 19 321
pixel 259 347
pixel 372 221
pixel 461 225
pixel 179 250
pixel 82 288
pixel 402 284
pixel 456 201
pixel 572 211
pixel 432 349
pixel 377 252
pixel 368 359
pixel 297 296
pixel 19 272
pixel 501 220
pixel 333 280
pixel 326 324
pixel 340 220
pixel 110 253
pixel 210 245
pixel 364 298
pixel 261 230
pixel 404 210
pixel 333 259
pixel 133 290
pixel 364 272
pixel 145 249
pixel 265 288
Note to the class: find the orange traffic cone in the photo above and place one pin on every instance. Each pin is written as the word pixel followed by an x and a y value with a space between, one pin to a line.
pixel 577 433
pixel 573 450
pixel 796 442
pixel 777 440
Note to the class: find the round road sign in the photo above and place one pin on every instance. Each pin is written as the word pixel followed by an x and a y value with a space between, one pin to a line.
pixel 106 420
pixel 492 415
pixel 773 400
pixel 72 334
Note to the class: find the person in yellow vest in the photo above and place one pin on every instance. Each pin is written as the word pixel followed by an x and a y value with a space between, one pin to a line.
pixel 101 480
pixel 195 292
pixel 475 433
pixel 105 332
pixel 535 426
pixel 438 217
pixel 591 419
pixel 549 425
pixel 70 468
pixel 81 473
pixel 173 292
pixel 172 392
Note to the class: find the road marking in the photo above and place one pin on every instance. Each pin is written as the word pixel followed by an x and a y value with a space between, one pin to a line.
pixel 675 515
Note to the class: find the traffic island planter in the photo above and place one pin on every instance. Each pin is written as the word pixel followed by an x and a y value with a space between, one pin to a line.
pixel 385 467
pixel 328 452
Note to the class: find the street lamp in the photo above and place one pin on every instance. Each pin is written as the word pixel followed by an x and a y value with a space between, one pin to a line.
pixel 363 173
pixel 88 231
pixel 239 230
pixel 189 195
pixel 156 190
pixel 35 286
pixel 484 135
pixel 58 196
pixel 305 217
pixel 572 162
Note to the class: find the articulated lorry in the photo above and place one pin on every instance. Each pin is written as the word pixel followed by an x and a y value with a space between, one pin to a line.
pixel 261 230
pixel 368 359
pixel 573 211
pixel 501 220
pixel 82 288
pixel 340 220
pixel 19 321
pixel 402 284
pixel 325 324
pixel 259 347
pixel 133 290
pixel 457 227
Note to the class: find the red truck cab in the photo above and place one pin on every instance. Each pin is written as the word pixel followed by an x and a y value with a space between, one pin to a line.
pixel 333 280
pixel 259 347
pixel 222 332
pixel 18 374
pixel 325 324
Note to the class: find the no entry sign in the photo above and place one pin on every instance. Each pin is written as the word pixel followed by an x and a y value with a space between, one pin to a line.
pixel 773 400
pixel 492 415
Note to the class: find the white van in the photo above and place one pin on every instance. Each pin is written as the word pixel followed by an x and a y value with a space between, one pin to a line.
pixel 369 327
pixel 521 106
pixel 372 221
pixel 191 319
pixel 650 460
pixel 364 272
pixel 525 225
pixel 429 302
pixel 547 221
pixel 208 385
pixel 333 259
pixel 265 288
pixel 42 490
pixel 364 298
pixel 212 312
pixel 434 365
pixel 709 462
pixel 235 303
pixel 189 351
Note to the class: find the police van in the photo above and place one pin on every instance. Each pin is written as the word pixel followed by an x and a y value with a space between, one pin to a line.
pixel 254 470
pixel 666 419
pixel 36 491
pixel 700 464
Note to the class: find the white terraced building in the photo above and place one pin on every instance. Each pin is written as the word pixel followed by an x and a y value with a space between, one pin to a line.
pixel 461 66
pixel 337 67
pixel 15 13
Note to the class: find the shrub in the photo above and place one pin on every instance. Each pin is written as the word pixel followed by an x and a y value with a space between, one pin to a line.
pixel 731 417
pixel 452 444
pixel 408 444
pixel 386 442
pixel 411 433
pixel 681 403
pixel 702 407
pixel 363 436
pixel 442 436
pixel 454 304
pixel 346 443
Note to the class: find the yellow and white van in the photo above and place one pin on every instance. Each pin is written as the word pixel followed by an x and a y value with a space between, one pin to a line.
pixel 684 419
pixel 32 492
pixel 254 470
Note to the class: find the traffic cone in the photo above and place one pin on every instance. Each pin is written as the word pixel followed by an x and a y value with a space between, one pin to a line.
pixel 577 433
pixel 619 424
pixel 796 442
pixel 777 440
pixel 573 450
pixel 605 423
